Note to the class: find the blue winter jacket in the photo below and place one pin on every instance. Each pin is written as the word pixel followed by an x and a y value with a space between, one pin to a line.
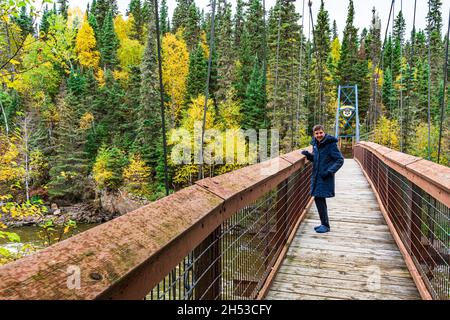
pixel 327 160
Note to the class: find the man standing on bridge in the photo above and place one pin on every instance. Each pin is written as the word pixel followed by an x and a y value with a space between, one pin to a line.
pixel 327 160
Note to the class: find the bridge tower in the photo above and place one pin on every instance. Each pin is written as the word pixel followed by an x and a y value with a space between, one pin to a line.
pixel 347 118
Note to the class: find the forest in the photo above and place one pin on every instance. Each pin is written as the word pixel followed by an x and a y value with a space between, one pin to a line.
pixel 80 90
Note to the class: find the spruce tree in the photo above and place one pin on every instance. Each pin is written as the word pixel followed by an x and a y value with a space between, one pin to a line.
pixel 283 60
pixel 69 164
pixel 347 67
pixel 196 80
pixel 164 26
pixel 225 52
pixel 251 45
pixel 102 8
pixel 109 42
pixel 25 22
pixel 148 140
pixel 253 107
pixel 43 27
pixel 63 8
pixel 334 31
pixel 238 24
pixel 136 10
pixel 434 34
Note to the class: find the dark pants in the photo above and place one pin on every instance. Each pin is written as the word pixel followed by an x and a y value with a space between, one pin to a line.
pixel 321 205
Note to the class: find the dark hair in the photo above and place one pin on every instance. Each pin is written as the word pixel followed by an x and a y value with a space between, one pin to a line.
pixel 318 127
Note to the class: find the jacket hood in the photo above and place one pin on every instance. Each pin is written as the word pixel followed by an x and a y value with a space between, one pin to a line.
pixel 326 140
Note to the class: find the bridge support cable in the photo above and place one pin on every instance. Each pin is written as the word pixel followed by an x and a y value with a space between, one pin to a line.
pixel 264 59
pixel 276 65
pixel 161 91
pixel 300 73
pixel 401 83
pixel 408 85
pixel 429 83
pixel 208 79
pixel 381 60
pixel 319 66
pixel 443 104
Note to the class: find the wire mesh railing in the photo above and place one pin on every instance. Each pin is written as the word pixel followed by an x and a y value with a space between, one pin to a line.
pixel 234 261
pixel 420 220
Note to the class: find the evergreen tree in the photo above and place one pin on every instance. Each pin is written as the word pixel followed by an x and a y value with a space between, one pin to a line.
pixel 102 8
pixel 225 53
pixel 63 8
pixel 136 10
pixel 374 51
pixel 25 22
pixel 388 92
pixel 68 173
pixel 109 42
pixel 164 18
pixel 322 50
pixel 253 107
pixel 238 24
pixel 180 14
pixel 251 45
pixel 148 141
pixel 196 80
pixel 347 67
pixel 334 31
pixel 192 27
pixel 43 27
pixel 434 30
pixel 94 25
pixel 283 60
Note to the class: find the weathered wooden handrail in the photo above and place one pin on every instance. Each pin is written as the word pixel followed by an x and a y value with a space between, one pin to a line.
pixel 126 257
pixel 414 197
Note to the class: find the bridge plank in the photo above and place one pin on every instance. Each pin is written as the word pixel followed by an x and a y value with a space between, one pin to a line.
pixel 341 264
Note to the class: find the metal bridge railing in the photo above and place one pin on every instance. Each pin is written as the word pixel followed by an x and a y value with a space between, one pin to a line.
pixel 222 238
pixel 415 198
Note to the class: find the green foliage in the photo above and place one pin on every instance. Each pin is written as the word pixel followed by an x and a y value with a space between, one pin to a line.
pixel 198 68
pixel 419 145
pixel 109 42
pixel 253 107
pixel 53 231
pixel 108 168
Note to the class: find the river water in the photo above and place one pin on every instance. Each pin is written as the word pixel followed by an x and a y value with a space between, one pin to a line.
pixel 29 235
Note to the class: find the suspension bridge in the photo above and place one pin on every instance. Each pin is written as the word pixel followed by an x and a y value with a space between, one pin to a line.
pixel 248 234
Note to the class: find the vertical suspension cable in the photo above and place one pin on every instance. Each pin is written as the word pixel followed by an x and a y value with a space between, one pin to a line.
pixel 265 63
pixel 401 83
pixel 411 61
pixel 161 91
pixel 391 111
pixel 300 75
pixel 319 65
pixel 445 89
pixel 429 84
pixel 276 64
pixel 208 79
pixel 382 56
pixel 309 68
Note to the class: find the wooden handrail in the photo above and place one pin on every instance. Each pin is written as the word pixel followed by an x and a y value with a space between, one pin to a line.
pixel 429 176
pixel 126 257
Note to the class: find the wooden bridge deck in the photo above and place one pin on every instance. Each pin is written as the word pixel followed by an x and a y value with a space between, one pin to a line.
pixel 358 259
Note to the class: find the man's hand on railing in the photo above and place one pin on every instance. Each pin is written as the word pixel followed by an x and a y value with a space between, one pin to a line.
pixel 307 154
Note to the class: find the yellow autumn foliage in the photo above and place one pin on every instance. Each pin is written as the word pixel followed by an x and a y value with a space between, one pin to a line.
pixel 387 133
pixel 137 177
pixel 175 71
pixel 85 46
pixel 86 121
pixel 10 168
